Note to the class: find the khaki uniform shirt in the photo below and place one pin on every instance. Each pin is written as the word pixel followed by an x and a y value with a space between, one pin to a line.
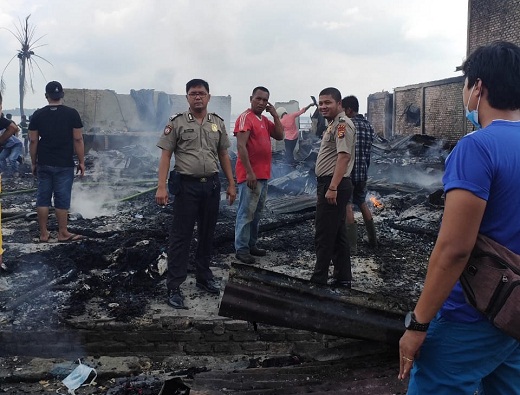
pixel 195 146
pixel 340 136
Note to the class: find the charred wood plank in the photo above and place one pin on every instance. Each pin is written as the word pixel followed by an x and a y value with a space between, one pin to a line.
pixel 292 204
pixel 38 290
pixel 259 295
pixel 413 229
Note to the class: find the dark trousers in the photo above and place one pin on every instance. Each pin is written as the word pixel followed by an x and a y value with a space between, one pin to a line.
pixel 290 145
pixel 195 202
pixel 331 233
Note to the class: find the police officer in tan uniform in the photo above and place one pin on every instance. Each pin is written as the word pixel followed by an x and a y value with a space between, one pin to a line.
pixel 199 141
pixel 333 166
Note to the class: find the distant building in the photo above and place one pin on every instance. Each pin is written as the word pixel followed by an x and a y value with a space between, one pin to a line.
pixel 435 107
pixel 112 120
pixel 144 110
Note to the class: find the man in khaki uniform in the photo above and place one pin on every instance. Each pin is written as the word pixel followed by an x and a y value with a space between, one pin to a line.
pixel 333 166
pixel 199 141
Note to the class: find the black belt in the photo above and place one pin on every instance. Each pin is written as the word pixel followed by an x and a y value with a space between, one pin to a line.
pixel 328 178
pixel 185 177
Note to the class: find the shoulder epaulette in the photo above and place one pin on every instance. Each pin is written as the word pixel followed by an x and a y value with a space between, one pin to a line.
pixel 175 116
pixel 218 116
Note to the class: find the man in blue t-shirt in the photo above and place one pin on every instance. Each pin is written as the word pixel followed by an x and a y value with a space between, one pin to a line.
pixel 449 347
pixel 55 133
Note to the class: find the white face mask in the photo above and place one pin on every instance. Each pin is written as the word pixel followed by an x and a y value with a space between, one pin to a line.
pixel 78 376
pixel 473 115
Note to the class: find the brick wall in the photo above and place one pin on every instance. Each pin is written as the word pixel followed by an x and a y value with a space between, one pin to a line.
pixel 444 111
pixel 379 112
pixel 440 102
pixel 166 337
pixel 439 105
pixel 493 20
pixel 406 98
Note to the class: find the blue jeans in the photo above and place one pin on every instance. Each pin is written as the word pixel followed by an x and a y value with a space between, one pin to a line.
pixel 250 206
pixel 54 180
pixel 461 358
pixel 9 157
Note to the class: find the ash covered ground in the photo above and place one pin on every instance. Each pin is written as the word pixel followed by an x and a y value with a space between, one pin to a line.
pixel 113 274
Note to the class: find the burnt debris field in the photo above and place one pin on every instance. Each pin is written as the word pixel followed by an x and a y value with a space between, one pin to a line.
pixel 113 278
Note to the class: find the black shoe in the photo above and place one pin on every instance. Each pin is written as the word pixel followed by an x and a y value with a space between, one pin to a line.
pixel 211 286
pixel 245 257
pixel 257 251
pixel 341 284
pixel 314 101
pixel 175 299
pixel 4 268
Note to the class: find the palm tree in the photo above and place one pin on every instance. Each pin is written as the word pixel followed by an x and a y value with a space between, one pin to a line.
pixel 26 56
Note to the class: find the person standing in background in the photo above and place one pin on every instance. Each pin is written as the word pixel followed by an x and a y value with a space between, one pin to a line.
pixel 199 142
pixel 25 134
pixel 253 170
pixel 291 131
pixel 8 129
pixel 11 151
pixel 55 133
pixel 359 175
pixel 333 167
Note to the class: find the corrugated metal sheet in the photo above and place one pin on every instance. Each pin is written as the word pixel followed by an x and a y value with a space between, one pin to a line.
pixel 259 295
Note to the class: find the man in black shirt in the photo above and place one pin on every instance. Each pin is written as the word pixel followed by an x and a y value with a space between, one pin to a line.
pixel 55 133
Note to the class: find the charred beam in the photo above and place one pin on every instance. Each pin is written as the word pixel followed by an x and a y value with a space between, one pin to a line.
pixel 258 295
pixel 38 290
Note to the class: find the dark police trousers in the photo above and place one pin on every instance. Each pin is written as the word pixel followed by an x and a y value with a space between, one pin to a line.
pixel 331 232
pixel 195 201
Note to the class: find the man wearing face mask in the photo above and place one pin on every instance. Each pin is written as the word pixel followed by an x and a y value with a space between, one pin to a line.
pixel 449 347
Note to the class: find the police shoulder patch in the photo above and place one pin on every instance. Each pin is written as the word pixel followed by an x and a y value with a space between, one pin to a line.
pixel 342 127
pixel 167 130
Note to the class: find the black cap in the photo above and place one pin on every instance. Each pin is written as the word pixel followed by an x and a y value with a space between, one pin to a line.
pixel 54 90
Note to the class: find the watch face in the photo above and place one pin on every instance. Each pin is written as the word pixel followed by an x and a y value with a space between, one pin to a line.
pixel 408 320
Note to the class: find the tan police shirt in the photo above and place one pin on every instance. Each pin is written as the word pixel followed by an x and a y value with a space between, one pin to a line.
pixel 340 136
pixel 195 146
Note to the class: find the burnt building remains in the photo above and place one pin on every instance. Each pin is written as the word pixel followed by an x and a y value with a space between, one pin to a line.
pixel 435 108
pixel 111 119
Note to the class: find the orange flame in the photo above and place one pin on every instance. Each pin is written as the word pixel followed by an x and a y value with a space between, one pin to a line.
pixel 376 202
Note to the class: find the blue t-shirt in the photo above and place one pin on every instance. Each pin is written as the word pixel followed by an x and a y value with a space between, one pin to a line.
pixel 487 164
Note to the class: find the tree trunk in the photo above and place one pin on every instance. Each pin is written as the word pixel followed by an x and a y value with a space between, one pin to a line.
pixel 22 84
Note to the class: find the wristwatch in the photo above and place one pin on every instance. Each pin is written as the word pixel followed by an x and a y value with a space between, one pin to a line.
pixel 411 323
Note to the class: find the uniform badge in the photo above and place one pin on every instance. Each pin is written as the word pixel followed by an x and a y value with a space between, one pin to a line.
pixel 167 130
pixel 341 130
pixel 214 127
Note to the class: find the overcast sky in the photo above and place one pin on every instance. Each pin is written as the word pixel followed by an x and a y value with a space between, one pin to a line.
pixel 294 48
